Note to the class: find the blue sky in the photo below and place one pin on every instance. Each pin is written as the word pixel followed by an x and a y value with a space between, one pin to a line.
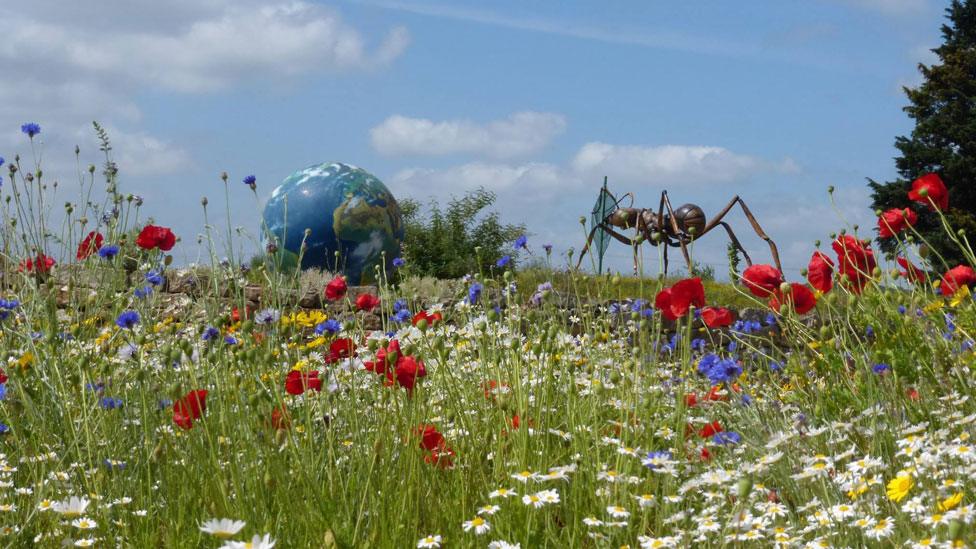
pixel 535 100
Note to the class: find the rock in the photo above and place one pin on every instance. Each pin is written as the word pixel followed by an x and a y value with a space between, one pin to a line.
pixel 311 299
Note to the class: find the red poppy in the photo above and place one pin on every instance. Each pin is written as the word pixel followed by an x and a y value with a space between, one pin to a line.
pixel 493 388
pixel 367 302
pixel 716 317
pixel 235 313
pixel 280 419
pixel 3 376
pixel 190 408
pixel 433 442
pixel 406 372
pixel 801 299
pixel 935 191
pixel 340 349
pixel 714 394
pixel 705 455
pixel 895 221
pixel 153 236
pixel 856 261
pixel 675 301
pixel 709 430
pixel 336 289
pixel 957 277
pixel 89 245
pixel 911 272
pixel 762 280
pixel 912 394
pixel 39 264
pixel 297 383
pixel 430 318
pixel 820 272
pixel 390 354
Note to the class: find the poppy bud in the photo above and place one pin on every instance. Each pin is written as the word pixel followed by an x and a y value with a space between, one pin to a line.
pixel 329 542
pixel 816 243
pixel 803 271
pixel 955 528
pixel 91 168
pixel 824 332
pixel 876 272
pixel 961 233
pixel 878 212
pixel 784 309
pixel 923 192
pixel 582 220
pixel 615 280
pixel 830 189
pixel 744 487
pixel 223 176
pixel 204 202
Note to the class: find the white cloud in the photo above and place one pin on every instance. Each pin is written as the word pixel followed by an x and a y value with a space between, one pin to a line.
pixel 240 43
pixel 520 134
pixel 534 177
pixel 670 164
pixel 74 62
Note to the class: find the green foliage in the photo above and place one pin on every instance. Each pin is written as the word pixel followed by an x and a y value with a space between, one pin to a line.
pixel 460 239
pixel 944 138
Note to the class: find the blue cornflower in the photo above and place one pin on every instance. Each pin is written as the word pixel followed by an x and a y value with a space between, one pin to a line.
pixel 521 242
pixel 474 292
pixel 110 403
pixel 230 340
pixel 95 387
pixel 614 308
pixel 647 313
pixel 776 366
pixel 399 262
pixel 707 362
pixel 901 309
pixel 656 460
pixel 331 326
pixel 114 465
pixel 108 251
pixel 698 344
pixel 143 292
pixel 154 278
pixel 250 180
pixel 267 316
pixel 869 332
pixel 3 391
pixel 770 319
pixel 401 316
pixel 209 333
pixel 746 400
pixel 1 161
pixel 128 319
pixel 636 305
pixel 881 368
pixel 726 438
pixel 503 261
pixel 31 129
pixel 399 305
pixel 547 248
pixel 733 345
pixel 4 429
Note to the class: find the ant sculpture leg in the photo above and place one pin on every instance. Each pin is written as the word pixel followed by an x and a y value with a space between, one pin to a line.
pixel 632 242
pixel 752 221
pixel 666 202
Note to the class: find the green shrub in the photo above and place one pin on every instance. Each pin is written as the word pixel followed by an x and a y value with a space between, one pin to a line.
pixel 460 239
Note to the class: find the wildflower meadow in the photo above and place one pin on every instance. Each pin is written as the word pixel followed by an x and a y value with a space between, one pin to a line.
pixel 150 404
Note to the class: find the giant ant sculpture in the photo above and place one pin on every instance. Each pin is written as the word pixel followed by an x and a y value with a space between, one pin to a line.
pixel 672 227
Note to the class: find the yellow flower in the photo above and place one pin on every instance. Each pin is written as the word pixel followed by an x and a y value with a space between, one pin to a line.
pixel 951 501
pixel 934 306
pixel 959 295
pixel 317 342
pixel 26 360
pixel 899 486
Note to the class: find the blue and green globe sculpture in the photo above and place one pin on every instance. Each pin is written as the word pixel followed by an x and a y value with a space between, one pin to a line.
pixel 347 209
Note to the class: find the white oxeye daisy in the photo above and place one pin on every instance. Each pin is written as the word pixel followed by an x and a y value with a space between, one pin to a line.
pixel 502 493
pixel 257 542
pixel 71 507
pixel 222 528
pixel 488 510
pixel 84 523
pixel 87 542
pixel 616 511
pixel 478 524
pixel 429 542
